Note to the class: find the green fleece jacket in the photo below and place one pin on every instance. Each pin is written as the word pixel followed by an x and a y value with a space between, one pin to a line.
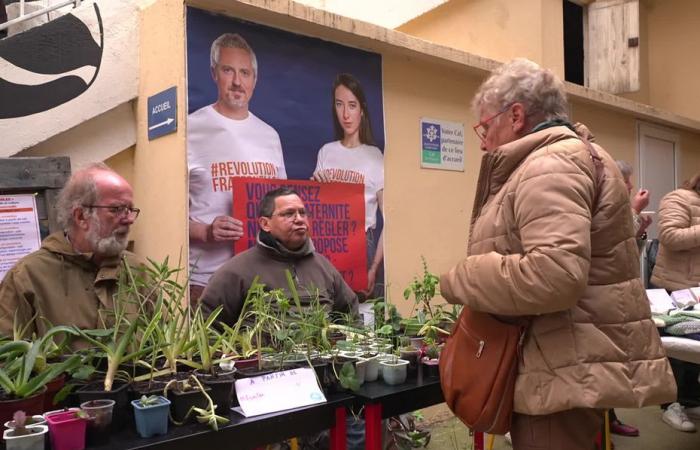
pixel 269 260
pixel 60 287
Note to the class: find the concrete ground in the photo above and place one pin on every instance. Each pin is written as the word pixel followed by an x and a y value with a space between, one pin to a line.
pixel 448 433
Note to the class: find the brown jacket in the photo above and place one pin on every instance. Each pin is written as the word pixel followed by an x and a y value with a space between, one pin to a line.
pixel 536 249
pixel 678 261
pixel 60 286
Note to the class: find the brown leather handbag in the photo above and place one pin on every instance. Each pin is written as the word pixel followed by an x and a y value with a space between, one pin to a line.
pixel 478 367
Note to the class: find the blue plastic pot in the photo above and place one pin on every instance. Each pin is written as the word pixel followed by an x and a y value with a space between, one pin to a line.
pixel 151 420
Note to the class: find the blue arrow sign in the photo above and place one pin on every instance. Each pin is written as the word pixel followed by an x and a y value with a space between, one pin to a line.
pixel 162 113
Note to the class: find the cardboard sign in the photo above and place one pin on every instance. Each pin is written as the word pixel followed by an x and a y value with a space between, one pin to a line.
pixel 336 214
pixel 278 391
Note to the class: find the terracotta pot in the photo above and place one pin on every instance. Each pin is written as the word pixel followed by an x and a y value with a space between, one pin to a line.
pixel 30 405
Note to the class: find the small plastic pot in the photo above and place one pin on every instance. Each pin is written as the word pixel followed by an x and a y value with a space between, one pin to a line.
pixel 32 441
pixel 394 372
pixel 151 420
pixel 99 420
pixel 67 430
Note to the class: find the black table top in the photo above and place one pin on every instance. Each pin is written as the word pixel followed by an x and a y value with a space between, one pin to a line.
pixel 412 395
pixel 241 432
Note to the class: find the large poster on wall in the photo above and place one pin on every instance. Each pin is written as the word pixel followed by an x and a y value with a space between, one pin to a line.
pixel 266 103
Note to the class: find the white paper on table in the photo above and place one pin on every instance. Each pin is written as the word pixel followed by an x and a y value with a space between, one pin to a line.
pixel 683 298
pixel 278 391
pixel 660 301
pixel 19 229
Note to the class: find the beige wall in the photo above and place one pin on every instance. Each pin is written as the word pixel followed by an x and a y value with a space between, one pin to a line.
pixel 674 35
pixel 160 166
pixel 123 163
pixel 427 211
pixel 497 29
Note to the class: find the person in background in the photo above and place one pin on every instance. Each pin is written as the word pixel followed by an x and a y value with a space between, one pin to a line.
pixel 550 239
pixel 639 201
pixel 678 267
pixel 225 140
pixel 72 278
pixel 354 158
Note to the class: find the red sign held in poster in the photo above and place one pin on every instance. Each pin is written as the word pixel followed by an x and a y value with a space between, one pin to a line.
pixel 336 214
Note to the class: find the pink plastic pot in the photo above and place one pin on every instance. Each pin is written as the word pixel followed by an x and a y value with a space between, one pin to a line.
pixel 67 431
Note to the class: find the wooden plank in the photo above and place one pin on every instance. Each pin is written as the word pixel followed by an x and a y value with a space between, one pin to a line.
pixel 50 196
pixel 34 173
pixel 613 66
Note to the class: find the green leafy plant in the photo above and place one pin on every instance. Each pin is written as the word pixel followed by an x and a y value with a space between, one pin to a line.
pixel 19 377
pixel 150 400
pixel 429 318
pixel 117 342
pixel 204 415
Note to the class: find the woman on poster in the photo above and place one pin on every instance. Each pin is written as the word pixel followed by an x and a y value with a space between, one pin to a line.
pixel 353 158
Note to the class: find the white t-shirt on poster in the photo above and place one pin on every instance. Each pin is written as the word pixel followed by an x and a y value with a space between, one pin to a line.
pixel 363 164
pixel 219 149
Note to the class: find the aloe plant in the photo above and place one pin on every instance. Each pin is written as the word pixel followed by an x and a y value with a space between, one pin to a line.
pixel 117 342
pixel 22 374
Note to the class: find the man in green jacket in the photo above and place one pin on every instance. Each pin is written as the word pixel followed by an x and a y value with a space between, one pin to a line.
pixel 283 244
pixel 72 278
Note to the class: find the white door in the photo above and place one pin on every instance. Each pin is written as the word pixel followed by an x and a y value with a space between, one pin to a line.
pixel 658 157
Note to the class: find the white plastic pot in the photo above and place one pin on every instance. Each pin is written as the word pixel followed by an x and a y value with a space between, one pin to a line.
pixel 32 441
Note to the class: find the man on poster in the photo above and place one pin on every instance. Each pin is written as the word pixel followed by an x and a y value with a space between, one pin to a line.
pixel 225 140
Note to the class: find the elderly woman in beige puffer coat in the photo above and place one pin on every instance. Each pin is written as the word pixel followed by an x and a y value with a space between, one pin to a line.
pixel 549 242
pixel 678 267
pixel 678 261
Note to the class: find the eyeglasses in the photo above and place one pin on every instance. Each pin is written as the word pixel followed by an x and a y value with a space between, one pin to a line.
pixel 118 210
pixel 291 214
pixel 480 128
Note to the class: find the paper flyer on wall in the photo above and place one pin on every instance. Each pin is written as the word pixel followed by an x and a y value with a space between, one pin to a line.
pixel 278 391
pixel 19 229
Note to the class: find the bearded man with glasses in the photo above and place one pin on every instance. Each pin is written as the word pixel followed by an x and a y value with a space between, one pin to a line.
pixel 283 244
pixel 72 278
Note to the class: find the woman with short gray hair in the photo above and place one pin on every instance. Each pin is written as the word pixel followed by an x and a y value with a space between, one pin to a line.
pixel 550 243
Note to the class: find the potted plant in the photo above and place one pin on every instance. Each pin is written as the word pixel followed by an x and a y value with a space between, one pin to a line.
pixel 208 343
pixel 23 436
pixel 411 354
pixel 394 370
pixel 431 361
pixel 99 416
pixel 22 385
pixel 190 396
pixel 118 345
pixel 67 429
pixel 151 415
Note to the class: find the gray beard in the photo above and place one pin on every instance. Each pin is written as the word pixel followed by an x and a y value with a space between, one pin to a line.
pixel 107 246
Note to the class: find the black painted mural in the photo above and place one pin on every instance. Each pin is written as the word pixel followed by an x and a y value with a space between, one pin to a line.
pixel 60 46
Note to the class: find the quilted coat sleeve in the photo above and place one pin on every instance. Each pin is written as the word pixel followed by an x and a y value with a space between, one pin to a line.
pixel 552 216
pixel 676 231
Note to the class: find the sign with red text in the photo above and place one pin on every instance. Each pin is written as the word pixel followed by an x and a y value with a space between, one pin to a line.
pixel 336 214
pixel 19 229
